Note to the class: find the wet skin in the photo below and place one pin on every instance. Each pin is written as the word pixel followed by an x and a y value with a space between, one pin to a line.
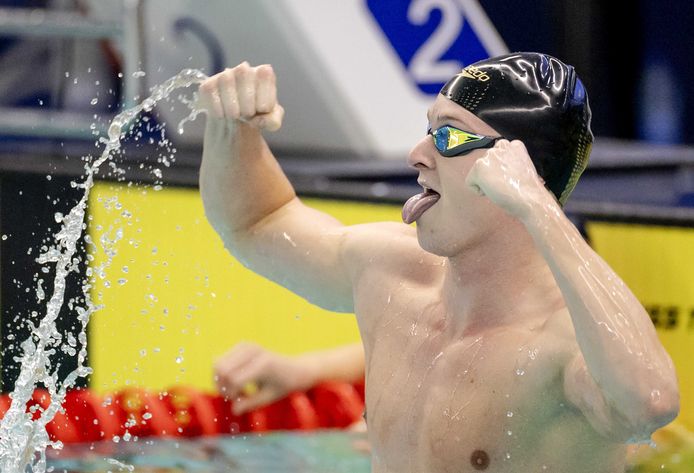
pixel 467 333
pixel 438 391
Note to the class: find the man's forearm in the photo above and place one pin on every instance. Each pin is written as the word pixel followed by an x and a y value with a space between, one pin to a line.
pixel 614 332
pixel 240 180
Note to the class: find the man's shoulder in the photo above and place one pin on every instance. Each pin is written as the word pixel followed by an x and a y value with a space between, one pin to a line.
pixel 383 229
pixel 379 242
pixel 388 248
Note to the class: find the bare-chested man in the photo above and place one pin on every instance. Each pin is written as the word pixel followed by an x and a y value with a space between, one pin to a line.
pixel 495 338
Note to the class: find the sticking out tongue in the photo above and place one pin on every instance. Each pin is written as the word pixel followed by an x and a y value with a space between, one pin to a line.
pixel 418 204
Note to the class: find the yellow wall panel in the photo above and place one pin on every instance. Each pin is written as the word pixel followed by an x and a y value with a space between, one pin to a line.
pixel 174 299
pixel 657 263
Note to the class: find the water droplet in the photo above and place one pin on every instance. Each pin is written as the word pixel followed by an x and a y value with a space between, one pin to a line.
pixel 179 360
pixel 94 101
pixel 509 414
pixel 520 372
pixel 146 416
pixel 4 237
pixel 289 239
pixel 139 74
pixel 509 433
pixel 655 395
pixel 54 254
pixel 58 217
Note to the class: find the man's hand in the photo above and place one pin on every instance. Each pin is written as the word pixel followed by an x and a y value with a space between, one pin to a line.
pixel 243 93
pixel 507 176
pixel 253 377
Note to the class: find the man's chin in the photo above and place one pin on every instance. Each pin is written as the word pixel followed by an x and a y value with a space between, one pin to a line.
pixel 427 241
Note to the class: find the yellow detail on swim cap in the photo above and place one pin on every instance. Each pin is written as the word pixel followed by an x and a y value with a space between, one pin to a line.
pixel 465 73
pixel 476 73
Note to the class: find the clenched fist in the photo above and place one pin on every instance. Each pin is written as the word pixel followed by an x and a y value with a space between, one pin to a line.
pixel 507 176
pixel 243 93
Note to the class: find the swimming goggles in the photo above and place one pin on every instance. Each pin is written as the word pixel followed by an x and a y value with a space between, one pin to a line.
pixel 451 141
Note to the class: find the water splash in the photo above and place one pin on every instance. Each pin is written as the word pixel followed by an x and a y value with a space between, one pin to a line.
pixel 23 441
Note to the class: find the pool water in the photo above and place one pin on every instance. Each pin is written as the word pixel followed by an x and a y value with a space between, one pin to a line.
pixel 277 452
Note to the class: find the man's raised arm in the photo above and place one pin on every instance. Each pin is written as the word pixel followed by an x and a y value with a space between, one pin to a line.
pixel 622 379
pixel 251 203
pixel 240 181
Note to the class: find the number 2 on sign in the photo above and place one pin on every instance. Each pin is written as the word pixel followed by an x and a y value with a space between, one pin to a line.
pixel 425 65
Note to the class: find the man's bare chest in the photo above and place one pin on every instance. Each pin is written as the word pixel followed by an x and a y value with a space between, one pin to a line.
pixel 453 397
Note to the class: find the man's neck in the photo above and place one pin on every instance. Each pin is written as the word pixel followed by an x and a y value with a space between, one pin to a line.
pixel 499 280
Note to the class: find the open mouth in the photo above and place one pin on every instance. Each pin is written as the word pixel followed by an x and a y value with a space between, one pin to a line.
pixel 418 204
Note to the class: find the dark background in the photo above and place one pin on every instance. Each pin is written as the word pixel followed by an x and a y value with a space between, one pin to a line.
pixel 635 58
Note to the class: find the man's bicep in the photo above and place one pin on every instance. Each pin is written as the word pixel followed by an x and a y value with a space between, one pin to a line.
pixel 301 249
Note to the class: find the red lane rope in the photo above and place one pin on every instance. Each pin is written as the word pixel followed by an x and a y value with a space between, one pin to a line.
pixel 183 411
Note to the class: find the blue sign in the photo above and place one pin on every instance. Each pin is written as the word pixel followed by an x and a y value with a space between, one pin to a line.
pixel 435 39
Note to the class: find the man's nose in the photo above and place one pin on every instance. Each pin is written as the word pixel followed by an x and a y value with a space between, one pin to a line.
pixel 422 155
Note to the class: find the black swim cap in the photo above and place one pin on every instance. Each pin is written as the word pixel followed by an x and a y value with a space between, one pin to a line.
pixel 537 99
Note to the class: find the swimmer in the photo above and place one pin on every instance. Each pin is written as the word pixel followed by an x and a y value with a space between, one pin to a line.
pixel 495 338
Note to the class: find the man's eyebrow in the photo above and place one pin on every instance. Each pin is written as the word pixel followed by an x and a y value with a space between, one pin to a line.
pixel 443 117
